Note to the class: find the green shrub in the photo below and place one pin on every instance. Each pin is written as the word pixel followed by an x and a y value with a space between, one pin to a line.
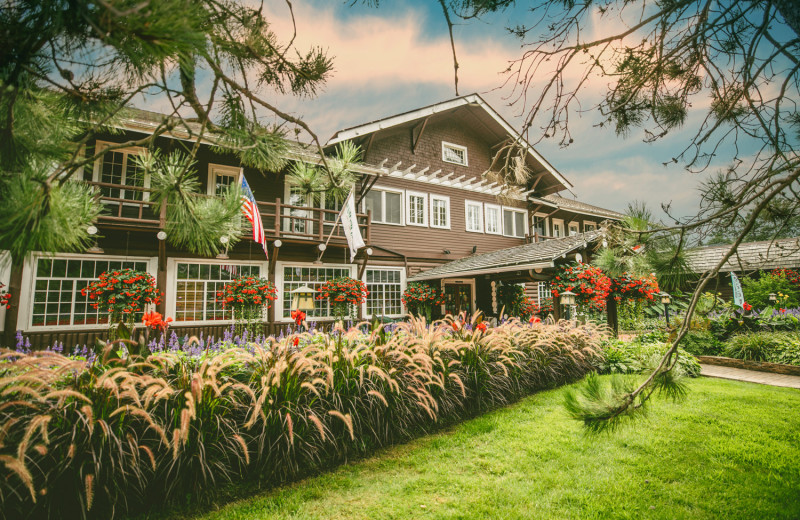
pixel 774 347
pixel 629 357
pixel 702 343
pixel 100 439
pixel 757 291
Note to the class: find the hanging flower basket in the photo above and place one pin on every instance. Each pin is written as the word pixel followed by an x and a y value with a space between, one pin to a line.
pixel 123 294
pixel 420 298
pixel 344 295
pixel 248 296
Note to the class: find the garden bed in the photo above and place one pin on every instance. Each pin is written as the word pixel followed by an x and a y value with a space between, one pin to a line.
pixel 761 366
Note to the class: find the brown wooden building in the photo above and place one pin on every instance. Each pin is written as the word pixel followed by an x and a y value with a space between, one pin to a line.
pixel 422 196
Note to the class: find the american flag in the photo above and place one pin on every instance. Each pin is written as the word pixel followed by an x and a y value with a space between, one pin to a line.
pixel 250 210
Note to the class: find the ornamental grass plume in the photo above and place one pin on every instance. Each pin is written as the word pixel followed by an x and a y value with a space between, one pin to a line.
pixel 99 440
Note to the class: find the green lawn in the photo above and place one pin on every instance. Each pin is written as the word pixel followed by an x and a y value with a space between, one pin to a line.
pixel 732 450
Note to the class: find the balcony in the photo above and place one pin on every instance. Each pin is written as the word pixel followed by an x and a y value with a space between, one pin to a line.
pixel 129 207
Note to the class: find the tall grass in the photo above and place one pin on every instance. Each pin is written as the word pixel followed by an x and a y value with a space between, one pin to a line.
pixel 82 440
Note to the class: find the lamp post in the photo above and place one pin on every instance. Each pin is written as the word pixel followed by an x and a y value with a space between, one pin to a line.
pixel 567 300
pixel 302 300
pixel 666 299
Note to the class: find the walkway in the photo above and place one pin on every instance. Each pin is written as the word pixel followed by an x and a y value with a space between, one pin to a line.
pixel 751 376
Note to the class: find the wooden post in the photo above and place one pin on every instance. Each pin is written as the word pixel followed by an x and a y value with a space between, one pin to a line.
pixel 556 308
pixel 369 224
pixel 12 313
pixel 611 315
pixel 278 217
pixel 276 245
pixel 321 224
pixel 161 274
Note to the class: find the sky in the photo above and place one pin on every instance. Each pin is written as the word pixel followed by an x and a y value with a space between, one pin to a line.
pixel 397 57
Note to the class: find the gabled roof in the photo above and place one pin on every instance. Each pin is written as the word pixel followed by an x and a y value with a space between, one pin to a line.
pixel 749 256
pixel 577 206
pixel 483 117
pixel 529 256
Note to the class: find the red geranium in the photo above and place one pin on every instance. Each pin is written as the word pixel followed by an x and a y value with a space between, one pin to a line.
pixel 5 298
pixel 247 292
pixel 342 293
pixel 121 292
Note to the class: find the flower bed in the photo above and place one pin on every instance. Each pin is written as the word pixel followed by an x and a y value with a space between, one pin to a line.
pixel 85 439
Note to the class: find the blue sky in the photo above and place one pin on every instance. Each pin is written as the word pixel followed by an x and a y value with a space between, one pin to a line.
pixel 397 57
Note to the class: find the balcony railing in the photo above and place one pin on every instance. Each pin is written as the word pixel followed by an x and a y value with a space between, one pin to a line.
pixel 130 207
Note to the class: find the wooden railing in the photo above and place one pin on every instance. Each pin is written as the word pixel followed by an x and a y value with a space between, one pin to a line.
pixel 136 210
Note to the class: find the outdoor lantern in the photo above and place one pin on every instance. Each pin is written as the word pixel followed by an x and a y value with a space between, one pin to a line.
pixel 568 298
pixel 303 298
pixel 773 297
pixel 161 235
pixel 666 299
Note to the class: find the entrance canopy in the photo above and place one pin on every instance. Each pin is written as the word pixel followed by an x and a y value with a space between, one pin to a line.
pixel 538 255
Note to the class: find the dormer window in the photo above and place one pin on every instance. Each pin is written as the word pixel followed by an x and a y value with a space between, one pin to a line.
pixel 455 154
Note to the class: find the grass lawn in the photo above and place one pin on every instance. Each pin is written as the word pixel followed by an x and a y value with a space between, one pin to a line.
pixel 731 450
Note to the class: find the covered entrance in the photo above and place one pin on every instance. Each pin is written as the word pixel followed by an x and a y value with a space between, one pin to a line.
pixel 459 296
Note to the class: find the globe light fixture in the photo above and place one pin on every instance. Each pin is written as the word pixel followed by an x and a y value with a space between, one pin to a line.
pixel 161 235
pixel 92 230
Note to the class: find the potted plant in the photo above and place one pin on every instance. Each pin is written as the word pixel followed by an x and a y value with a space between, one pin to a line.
pixel 248 296
pixel 123 294
pixel 343 294
pixel 419 299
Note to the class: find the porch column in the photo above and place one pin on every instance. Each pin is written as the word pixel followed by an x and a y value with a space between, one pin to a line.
pixel 12 313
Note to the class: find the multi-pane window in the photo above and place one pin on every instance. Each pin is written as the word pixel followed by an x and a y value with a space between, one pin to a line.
pixel 300 218
pixel 453 153
pixel 386 207
pixel 543 292
pixel 540 225
pixel 573 229
pixel 221 178
pixel 385 290
pixel 474 216
pixel 440 211
pixel 333 203
pixel 589 226
pixel 492 214
pixel 57 285
pixel 513 223
pixel 119 167
pixel 558 228
pixel 417 210
pixel 196 289
pixel 295 277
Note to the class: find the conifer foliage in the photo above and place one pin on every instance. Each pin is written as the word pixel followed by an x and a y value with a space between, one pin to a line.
pixel 70 69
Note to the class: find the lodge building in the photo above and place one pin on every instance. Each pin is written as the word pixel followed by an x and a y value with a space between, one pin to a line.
pixel 426 213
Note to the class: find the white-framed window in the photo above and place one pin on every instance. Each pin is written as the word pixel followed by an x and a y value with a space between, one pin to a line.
pixel 300 221
pixel 455 154
pixel 292 276
pixel 117 167
pixel 540 224
pixel 514 224
pixel 385 286
pixel 543 292
pixel 220 177
pixel 386 206
pixel 492 218
pixel 416 208
pixel 55 300
pixel 194 284
pixel 558 228
pixel 473 213
pixel 440 211
pixel 330 202
pixel 589 226
pixel 574 229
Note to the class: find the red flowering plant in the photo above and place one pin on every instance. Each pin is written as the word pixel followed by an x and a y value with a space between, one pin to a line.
pixel 247 296
pixel 123 294
pixel 590 284
pixel 5 297
pixel 634 288
pixel 790 274
pixel 420 298
pixel 343 294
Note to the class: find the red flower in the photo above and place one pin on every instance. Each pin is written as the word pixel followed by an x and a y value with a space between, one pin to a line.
pixel 298 316
pixel 746 306
pixel 535 319
pixel 481 327
pixel 296 341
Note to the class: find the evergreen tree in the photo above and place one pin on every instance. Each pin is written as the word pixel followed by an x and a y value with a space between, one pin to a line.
pixel 70 68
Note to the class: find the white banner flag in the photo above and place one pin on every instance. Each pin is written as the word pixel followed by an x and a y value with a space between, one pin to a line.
pixel 350 226
pixel 738 295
